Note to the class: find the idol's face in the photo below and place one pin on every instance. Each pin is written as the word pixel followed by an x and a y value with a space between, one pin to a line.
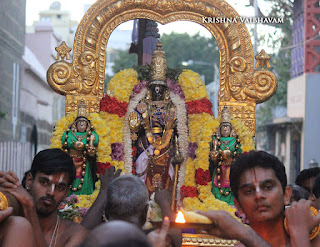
pixel 225 130
pixel 82 125
pixel 48 191
pixel 260 195
pixel 157 92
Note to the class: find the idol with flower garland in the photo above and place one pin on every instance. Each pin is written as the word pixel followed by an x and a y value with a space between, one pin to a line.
pixel 225 147
pixel 80 141
pixel 153 126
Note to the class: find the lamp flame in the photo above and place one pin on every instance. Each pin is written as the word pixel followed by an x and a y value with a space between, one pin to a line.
pixel 180 218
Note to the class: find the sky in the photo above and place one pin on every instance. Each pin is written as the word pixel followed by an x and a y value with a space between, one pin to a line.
pixel 76 9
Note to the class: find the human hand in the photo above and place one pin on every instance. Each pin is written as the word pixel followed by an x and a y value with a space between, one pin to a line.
pixel 224 225
pixel 22 196
pixel 9 180
pixel 158 237
pixel 162 197
pixel 299 219
pixel 108 176
pixel 5 214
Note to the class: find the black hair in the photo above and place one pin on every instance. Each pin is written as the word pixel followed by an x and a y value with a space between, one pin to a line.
pixel 299 192
pixel 316 187
pixel 306 174
pixel 50 161
pixel 256 159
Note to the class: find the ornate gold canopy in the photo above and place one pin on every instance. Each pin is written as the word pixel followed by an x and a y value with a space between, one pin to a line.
pixel 241 87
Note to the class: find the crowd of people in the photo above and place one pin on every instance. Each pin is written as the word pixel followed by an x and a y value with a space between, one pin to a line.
pixel 279 215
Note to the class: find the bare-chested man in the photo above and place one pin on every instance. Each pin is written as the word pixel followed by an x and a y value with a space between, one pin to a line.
pixel 259 183
pixel 47 184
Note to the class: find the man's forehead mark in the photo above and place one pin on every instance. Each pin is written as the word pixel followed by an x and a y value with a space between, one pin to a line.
pixel 61 177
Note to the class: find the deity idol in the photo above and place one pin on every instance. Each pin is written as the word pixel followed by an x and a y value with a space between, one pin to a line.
pixel 154 130
pixel 80 141
pixel 225 147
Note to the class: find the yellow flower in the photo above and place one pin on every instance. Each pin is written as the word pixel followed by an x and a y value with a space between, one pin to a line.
pixel 122 83
pixel 192 86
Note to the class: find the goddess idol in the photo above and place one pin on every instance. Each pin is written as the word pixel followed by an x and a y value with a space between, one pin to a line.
pixel 80 141
pixel 153 127
pixel 224 148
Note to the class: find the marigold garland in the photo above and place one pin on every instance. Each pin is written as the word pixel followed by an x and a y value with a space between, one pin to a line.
pixel 201 127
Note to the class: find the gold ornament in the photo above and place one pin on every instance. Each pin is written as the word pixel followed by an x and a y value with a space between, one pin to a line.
pixel 63 51
pixel 78 145
pixel 3 202
pixel 82 109
pixel 225 116
pixel 158 66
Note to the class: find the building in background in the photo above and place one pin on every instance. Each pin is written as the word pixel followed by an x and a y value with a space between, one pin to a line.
pixel 60 20
pixel 294 137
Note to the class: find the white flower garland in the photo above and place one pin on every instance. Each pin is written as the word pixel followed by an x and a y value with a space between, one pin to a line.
pixel 127 158
pixel 183 137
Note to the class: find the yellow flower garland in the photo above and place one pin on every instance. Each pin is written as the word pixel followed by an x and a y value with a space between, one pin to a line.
pixel 201 128
pixel 120 87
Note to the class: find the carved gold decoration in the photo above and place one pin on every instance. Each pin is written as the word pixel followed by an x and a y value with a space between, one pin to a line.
pixel 238 80
pixel 206 240
pixel 63 51
pixel 104 16
pixel 263 59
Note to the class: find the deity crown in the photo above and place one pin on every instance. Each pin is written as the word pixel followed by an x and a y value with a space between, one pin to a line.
pixel 82 109
pixel 158 66
pixel 225 116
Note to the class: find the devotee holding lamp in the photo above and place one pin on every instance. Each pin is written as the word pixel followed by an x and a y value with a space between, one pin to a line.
pixel 47 185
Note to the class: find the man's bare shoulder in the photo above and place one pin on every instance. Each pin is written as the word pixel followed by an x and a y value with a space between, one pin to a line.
pixel 72 233
pixel 72 227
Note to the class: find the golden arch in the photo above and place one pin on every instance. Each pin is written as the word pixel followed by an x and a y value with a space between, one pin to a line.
pixel 240 86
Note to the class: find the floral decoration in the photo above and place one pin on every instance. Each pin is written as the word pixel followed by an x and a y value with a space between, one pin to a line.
pixel 101 167
pixel 113 106
pixel 68 209
pixel 199 106
pixel 188 191
pixel 202 177
pixel 196 190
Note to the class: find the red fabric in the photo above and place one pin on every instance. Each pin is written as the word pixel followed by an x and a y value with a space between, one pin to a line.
pixel 112 105
pixel 202 177
pixel 188 191
pixel 199 106
pixel 101 167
